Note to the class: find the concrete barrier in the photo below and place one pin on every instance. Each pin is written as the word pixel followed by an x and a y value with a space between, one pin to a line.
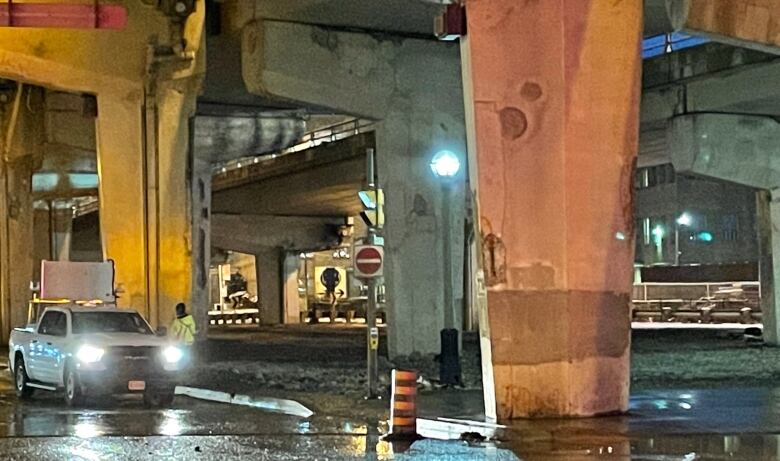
pixel 289 407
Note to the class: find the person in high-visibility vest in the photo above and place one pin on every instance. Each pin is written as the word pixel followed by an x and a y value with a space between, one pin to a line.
pixel 183 327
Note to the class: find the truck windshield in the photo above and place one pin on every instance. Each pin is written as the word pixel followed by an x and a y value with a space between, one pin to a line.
pixel 109 322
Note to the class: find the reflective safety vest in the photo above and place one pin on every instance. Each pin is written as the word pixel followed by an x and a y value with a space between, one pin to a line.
pixel 183 330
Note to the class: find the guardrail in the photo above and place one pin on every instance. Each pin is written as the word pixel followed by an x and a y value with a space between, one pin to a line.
pixel 697 302
pixel 309 140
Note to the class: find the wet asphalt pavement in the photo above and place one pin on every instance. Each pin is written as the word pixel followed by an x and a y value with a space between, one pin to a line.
pixel 689 425
pixel 721 423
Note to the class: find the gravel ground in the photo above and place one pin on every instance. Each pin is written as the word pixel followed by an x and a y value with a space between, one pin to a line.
pixel 701 359
pixel 311 359
pixel 327 364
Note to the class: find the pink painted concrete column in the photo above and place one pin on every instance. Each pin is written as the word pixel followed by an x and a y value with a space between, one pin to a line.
pixel 552 90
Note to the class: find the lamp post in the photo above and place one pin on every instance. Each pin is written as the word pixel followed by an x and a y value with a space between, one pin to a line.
pixel 446 166
pixel 683 220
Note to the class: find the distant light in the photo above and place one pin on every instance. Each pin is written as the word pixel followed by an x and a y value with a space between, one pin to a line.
pixel 658 232
pixel 685 406
pixel 238 165
pixel 224 170
pixel 445 164
pixel 256 160
pixel 705 236
pixel 620 236
pixel 45 182
pixel 685 219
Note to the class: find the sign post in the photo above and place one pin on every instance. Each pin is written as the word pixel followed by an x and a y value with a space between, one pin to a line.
pixel 368 262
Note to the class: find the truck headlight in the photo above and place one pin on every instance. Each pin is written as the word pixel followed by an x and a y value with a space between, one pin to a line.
pixel 89 354
pixel 172 354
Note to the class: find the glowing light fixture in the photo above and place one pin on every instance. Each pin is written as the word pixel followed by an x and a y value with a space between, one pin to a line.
pixel 685 219
pixel 445 164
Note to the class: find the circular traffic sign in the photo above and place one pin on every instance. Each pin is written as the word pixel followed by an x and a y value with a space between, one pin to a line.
pixel 330 278
pixel 368 260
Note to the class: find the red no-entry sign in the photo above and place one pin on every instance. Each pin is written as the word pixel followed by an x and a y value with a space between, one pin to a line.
pixel 369 261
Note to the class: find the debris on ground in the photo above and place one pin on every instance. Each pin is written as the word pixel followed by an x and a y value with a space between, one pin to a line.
pixel 326 360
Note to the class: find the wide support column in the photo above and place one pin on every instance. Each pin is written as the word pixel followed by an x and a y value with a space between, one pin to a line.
pixel 121 168
pixel 149 185
pixel 21 135
pixel 414 87
pixel 555 104
pixel 269 284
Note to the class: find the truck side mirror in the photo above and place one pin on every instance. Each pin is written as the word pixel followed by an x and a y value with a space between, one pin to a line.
pixel 162 331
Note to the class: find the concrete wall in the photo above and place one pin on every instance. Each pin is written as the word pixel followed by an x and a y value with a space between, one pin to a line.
pixel 414 88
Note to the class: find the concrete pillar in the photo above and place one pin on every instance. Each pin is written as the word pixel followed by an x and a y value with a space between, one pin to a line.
pixel 19 147
pixel 148 195
pixel 269 284
pixel 53 229
pixel 414 87
pixel 292 305
pixel 768 225
pixel 553 106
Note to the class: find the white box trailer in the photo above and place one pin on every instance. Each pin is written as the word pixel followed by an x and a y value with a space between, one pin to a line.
pixel 73 283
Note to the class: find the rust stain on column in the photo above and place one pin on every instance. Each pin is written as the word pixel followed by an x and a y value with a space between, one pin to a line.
pixel 556 96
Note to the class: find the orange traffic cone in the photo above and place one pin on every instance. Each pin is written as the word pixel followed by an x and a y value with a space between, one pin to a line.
pixel 403 412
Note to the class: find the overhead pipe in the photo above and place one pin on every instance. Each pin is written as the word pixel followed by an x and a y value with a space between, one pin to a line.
pixel 58 15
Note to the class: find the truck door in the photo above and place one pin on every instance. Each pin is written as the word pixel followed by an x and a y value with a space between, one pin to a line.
pixel 49 361
pixel 35 348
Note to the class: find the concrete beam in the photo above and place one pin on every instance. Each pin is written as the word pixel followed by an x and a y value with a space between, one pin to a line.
pixel 745 23
pixel 398 16
pixel 221 139
pixel 321 181
pixel 752 89
pixel 251 233
pixel 738 148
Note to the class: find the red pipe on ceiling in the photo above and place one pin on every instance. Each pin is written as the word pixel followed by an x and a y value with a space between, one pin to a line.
pixel 58 15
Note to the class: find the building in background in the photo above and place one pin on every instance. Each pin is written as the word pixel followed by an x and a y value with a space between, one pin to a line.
pixel 707 221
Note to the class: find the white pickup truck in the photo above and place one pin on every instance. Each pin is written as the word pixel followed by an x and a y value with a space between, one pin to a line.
pixel 92 351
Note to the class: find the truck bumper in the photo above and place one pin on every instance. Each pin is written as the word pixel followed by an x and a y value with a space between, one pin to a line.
pixel 119 381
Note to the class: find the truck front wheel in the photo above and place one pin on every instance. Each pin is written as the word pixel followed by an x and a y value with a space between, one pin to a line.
pixel 74 395
pixel 23 391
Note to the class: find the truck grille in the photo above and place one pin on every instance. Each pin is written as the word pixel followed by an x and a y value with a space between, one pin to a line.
pixel 131 362
pixel 132 352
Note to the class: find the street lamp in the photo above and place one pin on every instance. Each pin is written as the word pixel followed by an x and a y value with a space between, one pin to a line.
pixel 683 220
pixel 446 166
